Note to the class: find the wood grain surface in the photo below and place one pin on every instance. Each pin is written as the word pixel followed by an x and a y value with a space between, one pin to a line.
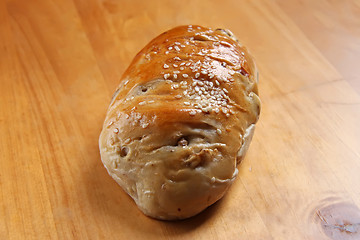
pixel 60 62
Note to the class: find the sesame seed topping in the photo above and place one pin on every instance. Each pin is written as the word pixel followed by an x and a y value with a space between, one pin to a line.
pixel 182 68
pixel 224 110
pixel 177 72
pixel 218 131
pixel 192 112
pixel 177 48
pixel 185 75
pixel 178 96
pixel 166 76
pixel 175 65
pixel 169 48
pixel 167 52
pixel 110 123
pixel 225 90
pixel 175 86
pixel 177 43
pixel 142 103
pixel 217 82
pixel 187 103
pixel 175 76
pixel 188 64
pixel 177 58
pixel 204 72
pixel 116 130
pixel 144 125
pixel 166 66
pixel 197 75
pixel 182 64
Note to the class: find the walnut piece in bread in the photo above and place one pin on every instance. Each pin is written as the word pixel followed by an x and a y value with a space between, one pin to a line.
pixel 181 120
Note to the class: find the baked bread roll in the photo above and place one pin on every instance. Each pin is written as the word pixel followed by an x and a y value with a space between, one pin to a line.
pixel 181 120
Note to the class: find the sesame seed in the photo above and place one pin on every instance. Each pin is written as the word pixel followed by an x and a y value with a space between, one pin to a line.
pixel 177 48
pixel 177 58
pixel 242 53
pixel 175 65
pixel 170 48
pixel 225 90
pixel 178 96
pixel 167 52
pixel 197 75
pixel 182 68
pixel 166 66
pixel 213 179
pixel 175 76
pixel 182 64
pixel 217 82
pixel 200 83
pixel 204 72
pixel 177 43
pixel 227 115
pixel 151 101
pixel 197 89
pixel 192 112
pixel 166 76
pixel 218 131
pixel 142 103
pixel 116 130
pixel 224 110
pixel 188 64
pixel 182 46
pixel 216 110
pixel 145 125
pixel 185 75
pixel 177 72
pixel 175 86
pixel 187 103
pixel 211 75
pixel 110 123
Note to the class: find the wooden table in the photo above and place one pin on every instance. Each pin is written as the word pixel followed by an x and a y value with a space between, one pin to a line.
pixel 60 62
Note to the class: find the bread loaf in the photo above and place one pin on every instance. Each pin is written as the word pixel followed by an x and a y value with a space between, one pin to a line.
pixel 181 120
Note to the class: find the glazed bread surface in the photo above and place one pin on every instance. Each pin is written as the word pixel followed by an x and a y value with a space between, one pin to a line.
pixel 181 120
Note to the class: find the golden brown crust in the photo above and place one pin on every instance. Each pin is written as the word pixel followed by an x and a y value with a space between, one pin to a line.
pixel 177 123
